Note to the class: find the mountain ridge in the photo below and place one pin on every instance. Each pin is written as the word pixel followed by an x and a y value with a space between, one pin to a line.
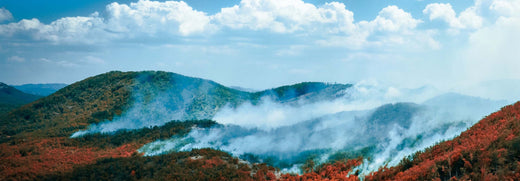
pixel 104 96
pixel 40 89
pixel 96 100
pixel 11 98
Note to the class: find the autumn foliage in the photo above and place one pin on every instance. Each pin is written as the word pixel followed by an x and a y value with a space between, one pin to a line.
pixel 34 145
pixel 340 170
pixel 489 150
pixel 34 158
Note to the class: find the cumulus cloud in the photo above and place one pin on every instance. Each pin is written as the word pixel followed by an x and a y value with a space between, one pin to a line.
pixel 327 24
pixel 286 16
pixel 5 15
pixel 141 19
pixel 68 29
pixel 392 26
pixel 392 19
pixel 497 56
pixel 444 11
pixel 152 17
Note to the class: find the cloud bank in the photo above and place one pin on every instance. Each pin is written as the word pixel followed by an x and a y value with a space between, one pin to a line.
pixel 442 44
pixel 176 19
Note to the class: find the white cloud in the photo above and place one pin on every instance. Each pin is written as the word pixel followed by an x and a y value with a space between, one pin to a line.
pixel 68 29
pixel 286 16
pixel 152 17
pixel 142 19
pixel 392 19
pixel 5 15
pixel 393 26
pixel 466 19
pixel 329 24
pixel 492 51
pixel 16 59
pixel 506 7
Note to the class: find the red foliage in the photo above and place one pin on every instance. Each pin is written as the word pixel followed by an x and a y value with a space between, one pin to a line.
pixel 43 156
pixel 214 161
pixel 478 153
pixel 338 171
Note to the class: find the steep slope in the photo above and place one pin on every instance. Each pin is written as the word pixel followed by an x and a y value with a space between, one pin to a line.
pixel 148 98
pixel 73 107
pixel 109 95
pixel 385 134
pixel 40 89
pixel 34 139
pixel 489 150
pixel 11 98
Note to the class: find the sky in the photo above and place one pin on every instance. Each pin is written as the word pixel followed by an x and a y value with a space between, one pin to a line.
pixel 261 44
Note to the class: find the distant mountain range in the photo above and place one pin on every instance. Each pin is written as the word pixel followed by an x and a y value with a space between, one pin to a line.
pixel 11 98
pixel 39 89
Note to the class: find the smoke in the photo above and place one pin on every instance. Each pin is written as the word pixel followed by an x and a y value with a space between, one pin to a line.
pixel 158 98
pixel 367 121
pixel 382 123
pixel 270 114
pixel 142 114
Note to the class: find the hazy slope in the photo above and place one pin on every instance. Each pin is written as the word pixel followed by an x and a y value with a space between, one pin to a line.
pixel 71 108
pixel 489 150
pixel 114 114
pixel 160 97
pixel 40 89
pixel 150 98
pixel 11 98
pixel 36 135
pixel 384 134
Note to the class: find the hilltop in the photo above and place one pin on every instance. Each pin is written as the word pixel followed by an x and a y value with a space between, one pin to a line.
pixel 100 98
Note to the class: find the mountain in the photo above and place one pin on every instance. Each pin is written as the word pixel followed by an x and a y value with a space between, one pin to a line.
pixel 489 150
pixel 128 96
pixel 385 133
pixel 11 98
pixel 33 134
pixel 39 89
pixel 87 129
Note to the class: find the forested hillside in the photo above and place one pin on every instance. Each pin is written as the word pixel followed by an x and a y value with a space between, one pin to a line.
pixel 489 150
pixel 118 113
pixel 35 138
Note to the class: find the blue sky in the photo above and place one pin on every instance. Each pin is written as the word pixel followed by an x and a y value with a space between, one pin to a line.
pixel 264 43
